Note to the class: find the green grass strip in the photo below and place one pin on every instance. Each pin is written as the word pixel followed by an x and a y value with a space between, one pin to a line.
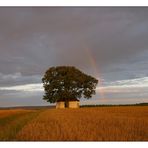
pixel 10 126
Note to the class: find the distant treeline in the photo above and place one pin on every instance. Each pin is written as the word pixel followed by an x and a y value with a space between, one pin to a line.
pixel 28 107
pixel 112 105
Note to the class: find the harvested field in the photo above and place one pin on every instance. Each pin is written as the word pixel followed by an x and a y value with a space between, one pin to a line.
pixel 83 124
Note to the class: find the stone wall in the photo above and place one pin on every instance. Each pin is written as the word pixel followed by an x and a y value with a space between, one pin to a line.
pixel 73 104
pixel 60 105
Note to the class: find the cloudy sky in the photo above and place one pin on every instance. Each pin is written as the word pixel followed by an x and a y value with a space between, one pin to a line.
pixel 108 43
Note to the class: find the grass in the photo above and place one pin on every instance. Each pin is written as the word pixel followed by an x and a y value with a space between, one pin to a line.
pixel 124 123
pixel 13 121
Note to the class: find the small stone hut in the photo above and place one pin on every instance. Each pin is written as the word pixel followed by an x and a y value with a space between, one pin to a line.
pixel 72 103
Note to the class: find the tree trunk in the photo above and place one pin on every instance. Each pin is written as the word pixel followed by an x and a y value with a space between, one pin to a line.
pixel 66 104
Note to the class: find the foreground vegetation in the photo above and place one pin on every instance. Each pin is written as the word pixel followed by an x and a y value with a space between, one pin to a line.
pixel 12 121
pixel 126 123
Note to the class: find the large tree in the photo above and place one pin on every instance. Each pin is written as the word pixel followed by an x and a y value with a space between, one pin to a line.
pixel 67 83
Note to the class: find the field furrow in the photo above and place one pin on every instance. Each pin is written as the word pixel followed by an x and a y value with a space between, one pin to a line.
pixel 11 124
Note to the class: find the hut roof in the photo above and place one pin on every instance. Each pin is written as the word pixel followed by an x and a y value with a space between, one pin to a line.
pixel 72 99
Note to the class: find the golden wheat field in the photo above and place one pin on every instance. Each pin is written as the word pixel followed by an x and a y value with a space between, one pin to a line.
pixel 128 123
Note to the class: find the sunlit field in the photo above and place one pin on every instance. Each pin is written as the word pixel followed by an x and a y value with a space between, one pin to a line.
pixel 128 123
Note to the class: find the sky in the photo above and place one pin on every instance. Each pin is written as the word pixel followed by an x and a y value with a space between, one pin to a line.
pixel 109 43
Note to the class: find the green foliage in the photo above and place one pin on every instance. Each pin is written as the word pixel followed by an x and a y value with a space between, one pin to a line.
pixel 67 83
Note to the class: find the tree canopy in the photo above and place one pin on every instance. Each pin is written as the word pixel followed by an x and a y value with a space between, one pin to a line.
pixel 67 83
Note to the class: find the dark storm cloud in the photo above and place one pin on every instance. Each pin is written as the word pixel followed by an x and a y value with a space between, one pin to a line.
pixel 33 39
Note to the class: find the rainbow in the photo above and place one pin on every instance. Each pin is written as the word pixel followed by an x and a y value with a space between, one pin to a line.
pixel 96 72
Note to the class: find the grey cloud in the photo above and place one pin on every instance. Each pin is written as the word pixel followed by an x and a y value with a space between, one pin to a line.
pixel 137 82
pixel 18 79
pixel 55 36
pixel 19 98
